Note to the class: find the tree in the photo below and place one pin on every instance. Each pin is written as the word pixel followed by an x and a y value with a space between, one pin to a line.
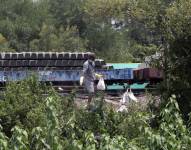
pixel 4 45
pixel 20 21
pixel 68 13
pixel 124 28
pixel 178 26
pixel 52 39
pixel 171 21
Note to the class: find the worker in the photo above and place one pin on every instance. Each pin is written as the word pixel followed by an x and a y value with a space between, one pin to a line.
pixel 88 77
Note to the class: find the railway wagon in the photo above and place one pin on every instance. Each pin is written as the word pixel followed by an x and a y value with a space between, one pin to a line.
pixel 144 78
pixel 60 68
pixel 141 72
pixel 65 68
pixel 151 75
pixel 66 76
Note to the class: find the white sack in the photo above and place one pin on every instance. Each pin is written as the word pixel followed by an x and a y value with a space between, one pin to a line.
pixel 122 108
pixel 132 96
pixel 101 84
pixel 125 98
pixel 81 80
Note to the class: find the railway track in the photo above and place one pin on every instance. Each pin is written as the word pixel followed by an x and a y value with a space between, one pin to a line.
pixel 80 95
pixel 79 91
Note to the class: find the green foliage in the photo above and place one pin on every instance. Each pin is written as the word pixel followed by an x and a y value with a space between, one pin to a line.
pixel 53 129
pixel 139 51
pixel 3 140
pixel 104 11
pixel 19 139
pixel 4 45
pixel 178 22
pixel 66 126
pixel 165 24
pixel 47 137
pixel 62 40
pixel 116 30
pixel 67 13
pixel 20 21
pixel 23 104
pixel 178 54
pixel 104 27
pixel 172 133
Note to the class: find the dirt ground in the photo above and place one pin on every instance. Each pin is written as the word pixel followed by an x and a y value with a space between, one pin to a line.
pixel 114 101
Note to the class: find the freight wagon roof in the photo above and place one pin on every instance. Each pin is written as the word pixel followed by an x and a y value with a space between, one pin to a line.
pixel 124 65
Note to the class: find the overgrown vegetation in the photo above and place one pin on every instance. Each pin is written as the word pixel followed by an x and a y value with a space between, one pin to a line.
pixel 32 120
pixel 33 116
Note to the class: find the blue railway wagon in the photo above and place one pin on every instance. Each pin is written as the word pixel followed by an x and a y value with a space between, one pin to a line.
pixel 65 76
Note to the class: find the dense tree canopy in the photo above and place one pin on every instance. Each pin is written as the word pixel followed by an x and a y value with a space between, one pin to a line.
pixel 75 25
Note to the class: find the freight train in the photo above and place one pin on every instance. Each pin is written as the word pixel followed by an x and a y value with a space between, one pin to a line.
pixel 64 68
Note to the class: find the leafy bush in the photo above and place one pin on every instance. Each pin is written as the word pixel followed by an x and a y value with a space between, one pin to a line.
pixel 23 104
pixel 67 126
pixel 172 133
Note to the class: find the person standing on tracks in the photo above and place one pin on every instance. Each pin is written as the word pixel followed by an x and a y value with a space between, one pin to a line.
pixel 88 77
